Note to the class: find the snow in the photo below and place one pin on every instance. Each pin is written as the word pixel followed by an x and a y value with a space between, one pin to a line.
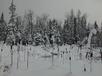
pixel 45 66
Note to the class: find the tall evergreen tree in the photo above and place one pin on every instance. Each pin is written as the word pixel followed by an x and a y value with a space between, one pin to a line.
pixel 12 29
pixel 12 9
pixel 3 28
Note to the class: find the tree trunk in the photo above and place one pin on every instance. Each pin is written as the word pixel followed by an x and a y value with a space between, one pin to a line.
pixel 27 59
pixel 18 55
pixel 18 58
pixel 11 55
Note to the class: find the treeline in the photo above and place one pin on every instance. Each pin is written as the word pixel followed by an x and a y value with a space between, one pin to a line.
pixel 44 30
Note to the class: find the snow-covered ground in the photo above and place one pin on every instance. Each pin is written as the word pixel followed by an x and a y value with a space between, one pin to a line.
pixel 41 62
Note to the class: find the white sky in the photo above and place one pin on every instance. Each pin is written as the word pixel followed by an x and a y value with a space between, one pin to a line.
pixel 56 8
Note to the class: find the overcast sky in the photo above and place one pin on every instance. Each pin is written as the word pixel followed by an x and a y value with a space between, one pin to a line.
pixel 56 8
